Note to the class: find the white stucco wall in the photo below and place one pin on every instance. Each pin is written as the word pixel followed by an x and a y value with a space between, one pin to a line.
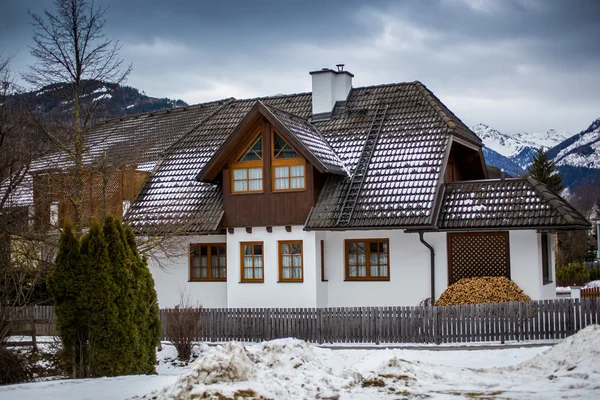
pixel 272 293
pixel 409 282
pixel 526 264
pixel 322 286
pixel 409 270
pixel 173 278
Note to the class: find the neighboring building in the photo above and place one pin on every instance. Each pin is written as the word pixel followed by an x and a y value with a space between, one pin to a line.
pixel 340 197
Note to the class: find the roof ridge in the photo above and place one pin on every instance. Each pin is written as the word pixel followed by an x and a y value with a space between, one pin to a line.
pixel 385 85
pixel 283 111
pixel 275 96
pixel 445 113
pixel 161 111
pixel 209 116
pixel 435 103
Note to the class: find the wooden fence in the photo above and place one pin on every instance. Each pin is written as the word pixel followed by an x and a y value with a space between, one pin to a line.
pixel 589 292
pixel 535 320
pixel 500 322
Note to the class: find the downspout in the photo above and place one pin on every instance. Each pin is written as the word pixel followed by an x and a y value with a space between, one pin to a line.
pixel 432 251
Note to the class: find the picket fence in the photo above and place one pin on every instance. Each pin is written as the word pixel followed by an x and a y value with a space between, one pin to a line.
pixel 499 322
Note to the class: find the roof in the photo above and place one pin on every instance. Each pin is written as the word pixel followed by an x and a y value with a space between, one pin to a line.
pixel 508 203
pixel 138 139
pixel 173 199
pixel 403 183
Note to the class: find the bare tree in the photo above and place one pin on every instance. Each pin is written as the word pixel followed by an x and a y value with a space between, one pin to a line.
pixel 71 52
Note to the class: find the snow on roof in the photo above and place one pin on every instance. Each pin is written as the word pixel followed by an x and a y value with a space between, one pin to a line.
pixel 505 203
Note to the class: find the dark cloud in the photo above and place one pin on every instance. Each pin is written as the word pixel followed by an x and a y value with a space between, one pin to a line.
pixel 515 64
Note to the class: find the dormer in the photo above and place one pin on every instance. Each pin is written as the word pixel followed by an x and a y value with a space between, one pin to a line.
pixel 272 168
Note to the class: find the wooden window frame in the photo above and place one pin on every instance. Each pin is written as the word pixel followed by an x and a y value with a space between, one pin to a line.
pixel 247 165
pixel 280 244
pixel 368 260
pixel 209 264
pixel 545 248
pixel 285 162
pixel 253 280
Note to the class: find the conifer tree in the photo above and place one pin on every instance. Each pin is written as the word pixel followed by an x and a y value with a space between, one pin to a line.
pixel 107 311
pixel 65 284
pixel 147 316
pixel 126 336
pixel 100 295
pixel 543 169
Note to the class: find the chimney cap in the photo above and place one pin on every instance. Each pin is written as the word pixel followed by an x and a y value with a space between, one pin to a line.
pixel 329 70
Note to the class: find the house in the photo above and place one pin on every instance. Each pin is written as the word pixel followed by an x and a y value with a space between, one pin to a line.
pixel 119 156
pixel 344 196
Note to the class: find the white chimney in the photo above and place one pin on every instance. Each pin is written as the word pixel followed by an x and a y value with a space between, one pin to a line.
pixel 329 87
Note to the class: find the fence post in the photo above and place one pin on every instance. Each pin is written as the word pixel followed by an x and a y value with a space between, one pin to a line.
pixel 438 325
pixel 269 324
pixel 377 324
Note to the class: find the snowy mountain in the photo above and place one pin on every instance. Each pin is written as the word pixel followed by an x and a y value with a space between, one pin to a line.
pixel 117 101
pixel 513 145
pixel 577 157
pixel 582 150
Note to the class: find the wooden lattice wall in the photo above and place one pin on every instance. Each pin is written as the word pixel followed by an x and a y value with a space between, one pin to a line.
pixel 478 254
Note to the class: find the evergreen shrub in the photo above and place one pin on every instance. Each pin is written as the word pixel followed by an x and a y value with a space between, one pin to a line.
pixel 572 275
pixel 106 305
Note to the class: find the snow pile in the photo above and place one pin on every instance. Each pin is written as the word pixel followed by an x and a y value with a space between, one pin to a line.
pixel 592 284
pixel 294 369
pixel 283 368
pixel 229 363
pixel 575 354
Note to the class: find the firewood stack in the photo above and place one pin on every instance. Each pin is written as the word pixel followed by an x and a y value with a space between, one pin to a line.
pixel 486 289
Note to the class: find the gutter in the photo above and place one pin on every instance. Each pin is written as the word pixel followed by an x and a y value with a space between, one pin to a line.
pixel 432 251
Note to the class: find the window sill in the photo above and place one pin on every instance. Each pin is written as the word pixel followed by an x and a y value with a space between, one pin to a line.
pixel 206 280
pixel 367 280
pixel 242 193
pixel 548 282
pixel 288 190
pixel 295 281
pixel 256 281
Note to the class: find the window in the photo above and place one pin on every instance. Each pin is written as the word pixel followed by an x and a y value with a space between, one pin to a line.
pixel 546 270
pixel 54 213
pixel 290 261
pixel 252 261
pixel 367 259
pixel 289 169
pixel 247 173
pixel 126 205
pixel 208 262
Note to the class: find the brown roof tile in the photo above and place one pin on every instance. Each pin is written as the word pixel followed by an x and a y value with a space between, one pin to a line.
pixel 509 203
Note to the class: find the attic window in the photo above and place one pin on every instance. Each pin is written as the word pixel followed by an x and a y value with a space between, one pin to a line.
pixel 281 149
pixel 288 168
pixel 247 172
pixel 254 153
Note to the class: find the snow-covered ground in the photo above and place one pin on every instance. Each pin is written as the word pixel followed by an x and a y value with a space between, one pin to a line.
pixel 293 369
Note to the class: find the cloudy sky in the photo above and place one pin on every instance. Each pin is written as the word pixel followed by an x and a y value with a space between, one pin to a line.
pixel 517 65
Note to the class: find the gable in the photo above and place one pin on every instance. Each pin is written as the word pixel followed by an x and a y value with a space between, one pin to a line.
pixel 323 160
